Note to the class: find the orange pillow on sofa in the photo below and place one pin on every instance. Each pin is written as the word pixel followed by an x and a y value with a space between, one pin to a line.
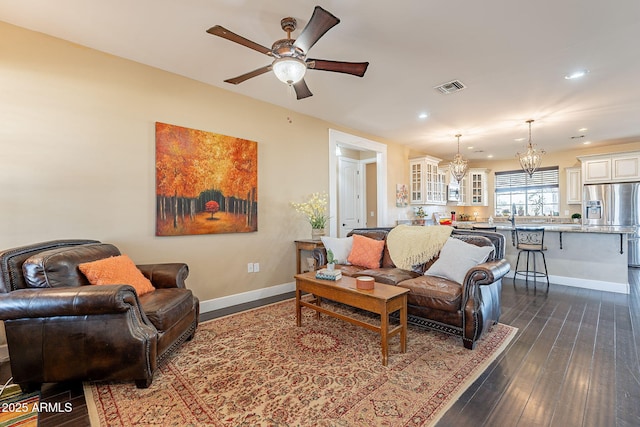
pixel 116 270
pixel 366 252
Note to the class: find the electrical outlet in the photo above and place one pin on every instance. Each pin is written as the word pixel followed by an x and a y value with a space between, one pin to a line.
pixel 250 267
pixel 256 267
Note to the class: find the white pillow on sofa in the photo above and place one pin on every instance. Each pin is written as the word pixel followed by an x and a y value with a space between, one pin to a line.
pixel 341 247
pixel 456 258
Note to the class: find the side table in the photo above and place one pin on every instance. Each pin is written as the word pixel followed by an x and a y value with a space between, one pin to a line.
pixel 305 245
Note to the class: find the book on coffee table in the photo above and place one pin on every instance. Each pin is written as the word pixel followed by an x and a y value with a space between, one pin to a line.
pixel 327 274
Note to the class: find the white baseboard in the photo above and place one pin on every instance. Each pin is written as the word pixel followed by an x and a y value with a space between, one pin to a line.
pixel 244 297
pixel 597 285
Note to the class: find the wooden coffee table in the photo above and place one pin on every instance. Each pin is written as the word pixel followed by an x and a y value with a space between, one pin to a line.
pixel 382 300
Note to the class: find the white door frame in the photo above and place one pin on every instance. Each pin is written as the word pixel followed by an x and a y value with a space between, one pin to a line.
pixel 352 141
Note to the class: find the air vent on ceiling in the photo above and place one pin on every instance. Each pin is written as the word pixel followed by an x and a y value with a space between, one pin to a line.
pixel 450 87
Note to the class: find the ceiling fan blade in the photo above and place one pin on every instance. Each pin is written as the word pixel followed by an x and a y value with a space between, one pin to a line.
pixel 355 68
pixel 249 75
pixel 302 90
pixel 321 21
pixel 219 31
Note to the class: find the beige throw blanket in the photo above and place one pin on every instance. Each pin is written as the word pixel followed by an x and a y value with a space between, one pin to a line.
pixel 410 245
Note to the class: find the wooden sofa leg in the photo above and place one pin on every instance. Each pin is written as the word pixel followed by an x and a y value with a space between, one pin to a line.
pixel 469 344
pixel 144 383
pixel 29 387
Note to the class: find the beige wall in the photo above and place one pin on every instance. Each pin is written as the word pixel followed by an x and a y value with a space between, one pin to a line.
pixel 77 160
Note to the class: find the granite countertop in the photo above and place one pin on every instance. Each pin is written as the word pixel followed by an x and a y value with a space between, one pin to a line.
pixel 564 228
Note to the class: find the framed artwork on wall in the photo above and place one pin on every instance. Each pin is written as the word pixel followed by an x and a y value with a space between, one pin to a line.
pixel 206 183
pixel 402 195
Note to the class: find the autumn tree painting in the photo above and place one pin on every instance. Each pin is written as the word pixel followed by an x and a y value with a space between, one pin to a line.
pixel 206 183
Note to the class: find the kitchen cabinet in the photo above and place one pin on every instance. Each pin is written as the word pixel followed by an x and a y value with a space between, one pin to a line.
pixel 596 170
pixel 625 167
pixel 574 186
pixel 477 187
pixel 416 192
pixel 473 188
pixel 441 187
pixel 464 191
pixel 616 167
pixel 427 181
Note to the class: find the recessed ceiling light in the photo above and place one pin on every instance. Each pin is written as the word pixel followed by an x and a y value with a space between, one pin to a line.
pixel 583 130
pixel 470 147
pixel 519 139
pixel 587 142
pixel 490 156
pixel 576 74
pixel 423 116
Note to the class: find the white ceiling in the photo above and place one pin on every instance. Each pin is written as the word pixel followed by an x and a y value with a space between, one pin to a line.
pixel 511 54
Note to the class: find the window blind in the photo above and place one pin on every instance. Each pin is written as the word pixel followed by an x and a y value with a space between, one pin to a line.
pixel 519 180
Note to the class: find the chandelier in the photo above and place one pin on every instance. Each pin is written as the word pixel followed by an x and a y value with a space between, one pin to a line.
pixel 530 161
pixel 458 167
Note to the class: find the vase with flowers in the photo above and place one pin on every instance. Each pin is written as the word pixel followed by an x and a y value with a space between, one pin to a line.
pixel 315 211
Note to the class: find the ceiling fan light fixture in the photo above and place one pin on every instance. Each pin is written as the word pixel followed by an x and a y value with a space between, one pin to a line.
pixel 289 70
pixel 458 167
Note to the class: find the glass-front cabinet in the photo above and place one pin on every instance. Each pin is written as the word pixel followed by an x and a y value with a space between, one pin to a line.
pixel 473 188
pixel 441 187
pixel 464 191
pixel 415 179
pixel 427 181
pixel 478 187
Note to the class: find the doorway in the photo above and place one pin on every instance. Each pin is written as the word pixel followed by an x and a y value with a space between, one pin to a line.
pixel 379 156
pixel 351 192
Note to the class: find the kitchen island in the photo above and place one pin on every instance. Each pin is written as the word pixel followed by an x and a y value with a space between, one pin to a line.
pixel 592 257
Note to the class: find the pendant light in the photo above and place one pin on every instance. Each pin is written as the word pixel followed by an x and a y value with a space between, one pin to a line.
pixel 458 167
pixel 530 161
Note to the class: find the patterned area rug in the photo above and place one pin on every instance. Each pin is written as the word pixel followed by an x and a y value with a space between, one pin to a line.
pixel 257 368
pixel 17 408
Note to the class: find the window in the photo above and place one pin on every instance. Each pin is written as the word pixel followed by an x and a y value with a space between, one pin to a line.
pixel 533 196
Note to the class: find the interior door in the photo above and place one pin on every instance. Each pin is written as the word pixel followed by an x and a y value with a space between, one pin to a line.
pixel 350 190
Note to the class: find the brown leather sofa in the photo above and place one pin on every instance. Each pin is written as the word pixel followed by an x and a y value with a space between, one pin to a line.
pixel 60 328
pixel 465 309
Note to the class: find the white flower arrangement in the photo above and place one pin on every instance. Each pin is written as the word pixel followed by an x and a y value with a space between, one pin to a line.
pixel 314 209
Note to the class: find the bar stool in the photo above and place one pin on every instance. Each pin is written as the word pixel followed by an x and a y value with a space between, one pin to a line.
pixel 531 241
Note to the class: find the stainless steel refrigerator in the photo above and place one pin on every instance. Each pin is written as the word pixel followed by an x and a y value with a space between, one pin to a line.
pixel 615 205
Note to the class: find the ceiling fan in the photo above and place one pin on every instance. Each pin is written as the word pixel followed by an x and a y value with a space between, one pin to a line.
pixel 290 55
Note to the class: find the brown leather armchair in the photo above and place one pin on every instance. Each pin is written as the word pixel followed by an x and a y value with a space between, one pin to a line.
pixel 59 328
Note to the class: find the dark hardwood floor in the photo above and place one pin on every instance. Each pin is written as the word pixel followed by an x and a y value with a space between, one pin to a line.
pixel 574 362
